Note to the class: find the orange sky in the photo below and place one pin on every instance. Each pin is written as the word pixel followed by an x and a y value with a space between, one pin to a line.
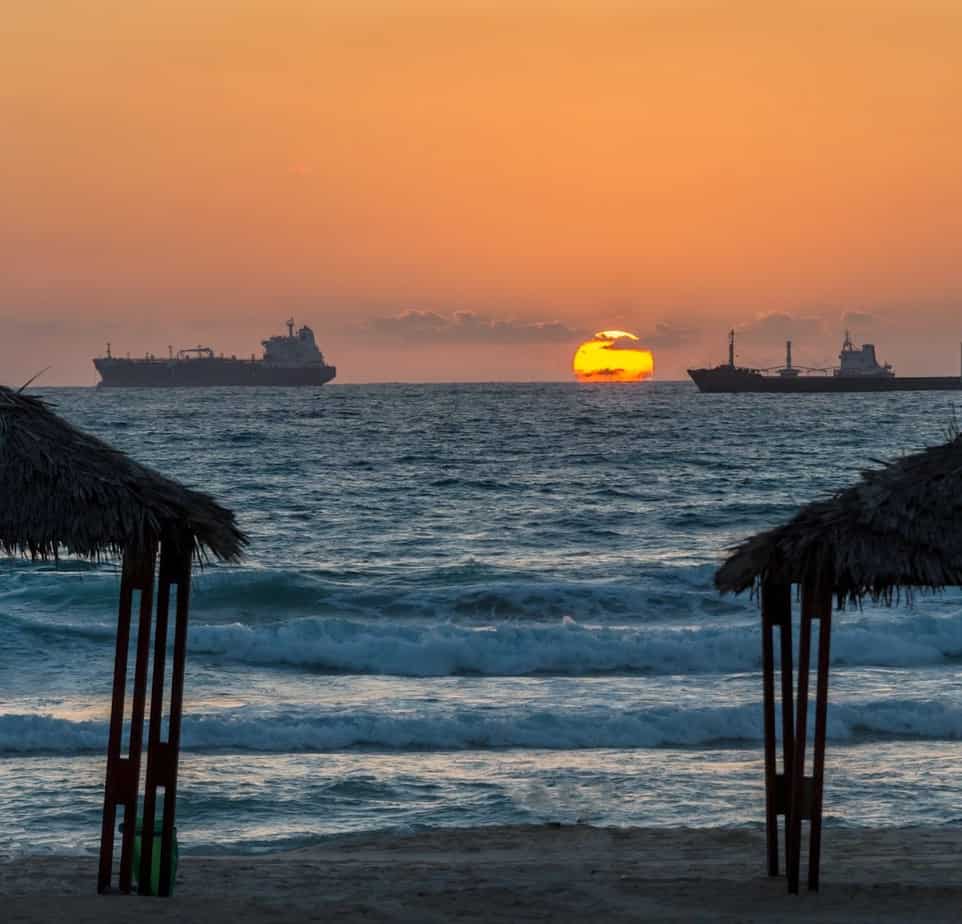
pixel 468 195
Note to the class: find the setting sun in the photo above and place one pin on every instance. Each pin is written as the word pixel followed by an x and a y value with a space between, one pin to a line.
pixel 612 356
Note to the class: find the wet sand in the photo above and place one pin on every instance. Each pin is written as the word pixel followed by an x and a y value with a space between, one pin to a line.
pixel 551 873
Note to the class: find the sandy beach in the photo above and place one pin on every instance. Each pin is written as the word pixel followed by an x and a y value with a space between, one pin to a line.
pixel 569 873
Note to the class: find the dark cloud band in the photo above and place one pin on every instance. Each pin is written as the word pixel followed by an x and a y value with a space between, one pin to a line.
pixel 468 327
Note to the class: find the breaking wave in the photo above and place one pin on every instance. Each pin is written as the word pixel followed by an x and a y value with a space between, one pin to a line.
pixel 517 648
pixel 506 649
pixel 569 648
pixel 462 591
pixel 301 730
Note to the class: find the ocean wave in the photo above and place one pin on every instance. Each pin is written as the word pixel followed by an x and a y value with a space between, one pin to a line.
pixel 301 730
pixel 566 647
pixel 517 648
pixel 463 590
pixel 504 649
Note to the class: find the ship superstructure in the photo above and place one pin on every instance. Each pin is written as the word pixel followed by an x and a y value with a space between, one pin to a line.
pixel 860 363
pixel 294 360
pixel 858 370
pixel 298 349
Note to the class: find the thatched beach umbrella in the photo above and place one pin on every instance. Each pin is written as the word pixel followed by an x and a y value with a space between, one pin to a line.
pixel 65 492
pixel 896 530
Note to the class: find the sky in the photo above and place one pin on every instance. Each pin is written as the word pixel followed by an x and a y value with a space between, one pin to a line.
pixel 465 191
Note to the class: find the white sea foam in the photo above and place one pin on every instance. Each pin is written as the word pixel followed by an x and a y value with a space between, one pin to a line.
pixel 506 649
pixel 521 648
pixel 516 649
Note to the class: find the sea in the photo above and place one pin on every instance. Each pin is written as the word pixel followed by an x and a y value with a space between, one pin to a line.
pixel 470 605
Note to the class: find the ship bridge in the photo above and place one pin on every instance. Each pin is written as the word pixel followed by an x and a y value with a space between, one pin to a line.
pixel 861 363
pixel 296 349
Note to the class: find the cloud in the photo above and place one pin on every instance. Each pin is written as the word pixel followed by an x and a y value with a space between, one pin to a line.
pixel 860 320
pixel 623 343
pixel 627 341
pixel 668 336
pixel 468 327
pixel 777 326
pixel 607 373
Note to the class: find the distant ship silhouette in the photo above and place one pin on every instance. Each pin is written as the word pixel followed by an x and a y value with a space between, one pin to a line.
pixel 858 370
pixel 293 360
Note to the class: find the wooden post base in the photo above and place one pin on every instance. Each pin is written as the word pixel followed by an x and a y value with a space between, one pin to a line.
pixel 791 794
pixel 122 786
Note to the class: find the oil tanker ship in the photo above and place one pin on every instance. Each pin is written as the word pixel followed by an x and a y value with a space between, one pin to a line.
pixel 858 370
pixel 293 360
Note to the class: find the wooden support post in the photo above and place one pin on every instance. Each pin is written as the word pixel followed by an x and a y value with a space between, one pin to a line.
pixel 776 612
pixel 123 773
pixel 768 710
pixel 768 721
pixel 823 605
pixel 163 756
pixel 788 714
pixel 806 792
pixel 176 712
pixel 799 802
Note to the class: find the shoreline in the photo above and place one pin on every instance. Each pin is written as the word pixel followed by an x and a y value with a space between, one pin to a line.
pixel 537 873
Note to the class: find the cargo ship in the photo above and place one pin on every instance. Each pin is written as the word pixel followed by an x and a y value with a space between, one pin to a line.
pixel 858 370
pixel 293 360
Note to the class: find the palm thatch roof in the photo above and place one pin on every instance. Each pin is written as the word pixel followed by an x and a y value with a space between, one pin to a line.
pixel 62 490
pixel 900 527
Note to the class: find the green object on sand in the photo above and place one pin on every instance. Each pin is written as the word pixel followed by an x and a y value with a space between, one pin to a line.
pixel 153 887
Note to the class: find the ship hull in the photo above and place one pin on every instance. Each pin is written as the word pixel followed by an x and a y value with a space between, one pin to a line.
pixel 725 380
pixel 208 373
